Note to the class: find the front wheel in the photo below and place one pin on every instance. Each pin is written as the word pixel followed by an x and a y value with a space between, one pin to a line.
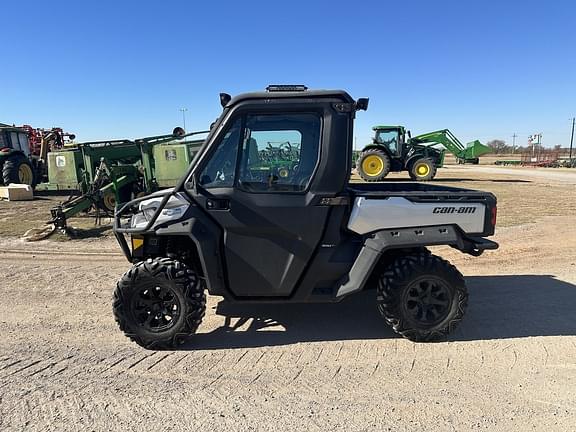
pixel 423 170
pixel 159 303
pixel 422 297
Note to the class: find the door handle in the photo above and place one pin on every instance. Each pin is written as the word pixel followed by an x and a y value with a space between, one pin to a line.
pixel 218 204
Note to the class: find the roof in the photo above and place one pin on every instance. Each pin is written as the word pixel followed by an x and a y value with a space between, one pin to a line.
pixel 387 127
pixel 338 94
pixel 7 126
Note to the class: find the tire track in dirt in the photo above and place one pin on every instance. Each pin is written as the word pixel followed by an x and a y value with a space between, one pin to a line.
pixel 265 374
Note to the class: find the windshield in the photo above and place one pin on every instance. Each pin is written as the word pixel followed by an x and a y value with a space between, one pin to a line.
pixel 214 127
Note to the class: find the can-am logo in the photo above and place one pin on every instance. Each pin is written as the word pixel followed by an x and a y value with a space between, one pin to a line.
pixel 461 210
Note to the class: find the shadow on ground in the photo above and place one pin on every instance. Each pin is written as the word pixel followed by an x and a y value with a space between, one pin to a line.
pixel 457 180
pixel 500 307
pixel 504 307
pixel 84 233
pixel 451 180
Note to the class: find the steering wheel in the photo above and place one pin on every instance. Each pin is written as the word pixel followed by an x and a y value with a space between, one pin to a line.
pixel 223 174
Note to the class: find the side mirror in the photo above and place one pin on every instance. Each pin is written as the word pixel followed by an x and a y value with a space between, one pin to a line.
pixel 178 131
pixel 362 104
pixel 224 99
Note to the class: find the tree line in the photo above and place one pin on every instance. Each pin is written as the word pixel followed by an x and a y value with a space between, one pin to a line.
pixel 499 146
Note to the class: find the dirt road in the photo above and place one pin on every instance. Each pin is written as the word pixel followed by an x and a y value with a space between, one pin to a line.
pixel 557 175
pixel 510 366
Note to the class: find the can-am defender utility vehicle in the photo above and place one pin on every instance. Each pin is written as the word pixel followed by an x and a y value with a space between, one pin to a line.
pixel 240 229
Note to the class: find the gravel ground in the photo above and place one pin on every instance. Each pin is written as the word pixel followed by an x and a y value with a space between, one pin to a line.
pixel 64 365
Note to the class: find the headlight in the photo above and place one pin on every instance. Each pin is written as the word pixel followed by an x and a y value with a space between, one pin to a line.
pixel 173 210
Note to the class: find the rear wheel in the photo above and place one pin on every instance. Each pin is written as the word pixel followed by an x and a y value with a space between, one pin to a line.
pixel 159 303
pixel 373 165
pixel 423 170
pixel 18 169
pixel 422 297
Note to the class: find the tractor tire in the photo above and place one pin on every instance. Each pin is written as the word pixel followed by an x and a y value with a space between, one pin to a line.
pixel 422 297
pixel 422 170
pixel 18 169
pixel 159 303
pixel 373 165
pixel 108 201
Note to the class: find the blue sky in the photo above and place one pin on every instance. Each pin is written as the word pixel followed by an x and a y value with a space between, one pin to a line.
pixel 123 69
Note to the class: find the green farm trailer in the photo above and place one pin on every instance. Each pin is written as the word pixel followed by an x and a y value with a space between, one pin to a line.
pixel 394 149
pixel 115 171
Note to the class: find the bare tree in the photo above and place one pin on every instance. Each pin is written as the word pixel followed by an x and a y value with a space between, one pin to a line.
pixel 498 146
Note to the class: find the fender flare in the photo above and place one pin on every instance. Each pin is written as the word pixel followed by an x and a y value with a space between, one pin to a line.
pixel 414 158
pixel 406 238
pixel 376 147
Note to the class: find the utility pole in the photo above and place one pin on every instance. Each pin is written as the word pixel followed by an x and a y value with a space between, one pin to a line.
pixel 514 142
pixel 572 138
pixel 184 117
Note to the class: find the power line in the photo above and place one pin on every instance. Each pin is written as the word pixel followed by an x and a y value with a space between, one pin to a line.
pixel 183 116
pixel 572 137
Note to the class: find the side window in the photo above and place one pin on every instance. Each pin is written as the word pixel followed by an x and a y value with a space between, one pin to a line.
pixel 24 145
pixel 219 172
pixel 14 140
pixel 279 152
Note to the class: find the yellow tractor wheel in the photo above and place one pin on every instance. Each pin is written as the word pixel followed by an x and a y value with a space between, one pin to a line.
pixel 18 169
pixel 423 170
pixel 373 165
pixel 25 174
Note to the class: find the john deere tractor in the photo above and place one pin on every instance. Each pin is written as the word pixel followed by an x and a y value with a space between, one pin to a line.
pixel 394 149
pixel 16 165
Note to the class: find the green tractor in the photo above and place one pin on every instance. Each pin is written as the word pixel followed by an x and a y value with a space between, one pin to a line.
pixel 276 161
pixel 16 163
pixel 394 149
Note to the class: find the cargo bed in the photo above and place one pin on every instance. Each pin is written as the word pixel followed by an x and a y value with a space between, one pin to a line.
pixel 405 205
pixel 419 192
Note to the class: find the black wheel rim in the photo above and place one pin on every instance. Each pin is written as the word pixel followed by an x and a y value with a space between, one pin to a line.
pixel 156 308
pixel 428 301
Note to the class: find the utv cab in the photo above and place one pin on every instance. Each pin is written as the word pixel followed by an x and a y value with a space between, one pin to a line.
pixel 291 228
